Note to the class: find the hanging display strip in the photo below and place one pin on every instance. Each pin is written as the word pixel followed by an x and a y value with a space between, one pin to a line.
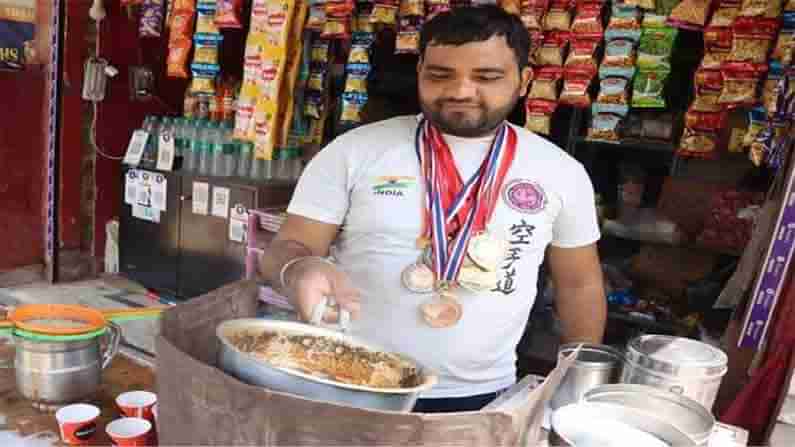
pixel 770 282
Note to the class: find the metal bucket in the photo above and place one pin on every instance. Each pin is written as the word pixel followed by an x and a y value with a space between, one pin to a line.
pixel 679 365
pixel 609 425
pixel 682 412
pixel 595 365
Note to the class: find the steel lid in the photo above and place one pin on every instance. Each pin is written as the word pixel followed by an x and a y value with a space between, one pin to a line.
pixel 677 356
pixel 592 356
pixel 680 411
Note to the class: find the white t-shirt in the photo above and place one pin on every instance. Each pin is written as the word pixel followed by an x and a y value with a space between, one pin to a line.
pixel 368 181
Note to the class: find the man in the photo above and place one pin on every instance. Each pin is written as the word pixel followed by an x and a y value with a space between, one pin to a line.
pixel 367 193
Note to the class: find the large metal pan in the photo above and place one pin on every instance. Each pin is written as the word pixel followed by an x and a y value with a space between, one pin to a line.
pixel 253 371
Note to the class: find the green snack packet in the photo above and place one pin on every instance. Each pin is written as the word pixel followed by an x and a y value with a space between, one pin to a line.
pixel 648 89
pixel 656 45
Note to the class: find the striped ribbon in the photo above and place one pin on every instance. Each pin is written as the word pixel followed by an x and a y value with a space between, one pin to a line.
pixel 483 186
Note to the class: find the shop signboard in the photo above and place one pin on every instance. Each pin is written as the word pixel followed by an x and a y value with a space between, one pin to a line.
pixel 17 33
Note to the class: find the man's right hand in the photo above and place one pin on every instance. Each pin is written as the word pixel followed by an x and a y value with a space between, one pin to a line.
pixel 310 280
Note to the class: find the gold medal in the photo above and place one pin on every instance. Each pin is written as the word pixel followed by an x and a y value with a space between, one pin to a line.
pixel 475 279
pixel 418 278
pixel 487 250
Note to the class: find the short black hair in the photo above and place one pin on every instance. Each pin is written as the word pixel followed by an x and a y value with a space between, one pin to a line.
pixel 463 25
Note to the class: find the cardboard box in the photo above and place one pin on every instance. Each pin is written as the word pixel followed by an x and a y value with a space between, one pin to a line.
pixel 201 405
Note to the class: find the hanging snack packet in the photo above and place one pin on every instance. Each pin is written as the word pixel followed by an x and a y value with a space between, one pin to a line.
pixel 510 6
pixel 690 14
pixel 604 127
pixel 588 20
pixel 698 144
pixel 385 12
pixel 740 84
pixel 708 121
pixel 546 84
pixel 575 90
pixel 341 9
pixel 708 88
pixel 433 7
pixel 624 23
pixel 558 18
pixel 656 45
pixel 411 8
pixel 205 19
pixel 717 47
pixel 228 14
pixel 665 7
pixel 789 6
pixel 785 44
pixel 532 13
pixel 538 115
pixel 772 90
pixel 757 122
pixel 582 57
pixel 314 104
pixel 726 12
pixel 408 37
pixel 204 78
pixel 177 61
pixel 613 97
pixel 765 9
pixel 553 50
pixel 647 89
pixel 336 28
pixel 317 18
pixel 207 48
pixel 151 21
pixel 619 53
pixel 752 41
pixel 352 106
pixel 181 24
pixel 648 5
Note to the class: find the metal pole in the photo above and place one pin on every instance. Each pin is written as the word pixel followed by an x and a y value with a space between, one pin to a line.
pixel 54 137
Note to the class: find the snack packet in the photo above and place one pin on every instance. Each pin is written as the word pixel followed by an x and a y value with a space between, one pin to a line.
pixel 739 86
pixel 774 90
pixel 352 106
pixel 604 128
pixel 582 56
pixel 558 18
pixel 532 13
pixel 546 84
pixel 701 144
pixel 708 89
pixel 336 28
pixel 613 97
pixel 317 18
pixel 619 53
pixel 648 5
pixel 151 21
pixel 204 76
pixel 752 40
pixel 766 9
pixel 588 20
pixel 717 47
pixel 411 8
pixel 757 122
pixel 647 89
pixel 538 115
pixel 228 14
pixel 624 23
pixel 385 12
pixel 205 19
pixel 575 91
pixel 408 37
pixel 207 48
pixel 665 7
pixel 725 13
pixel 785 43
pixel 690 14
pixel 177 61
pixel 656 45
pixel 553 50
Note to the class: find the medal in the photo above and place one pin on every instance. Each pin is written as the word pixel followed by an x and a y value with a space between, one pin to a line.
pixel 418 278
pixel 456 213
pixel 487 250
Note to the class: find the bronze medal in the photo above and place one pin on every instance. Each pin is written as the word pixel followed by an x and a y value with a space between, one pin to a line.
pixel 443 310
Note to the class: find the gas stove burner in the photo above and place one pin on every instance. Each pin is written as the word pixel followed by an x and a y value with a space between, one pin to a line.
pixel 47 408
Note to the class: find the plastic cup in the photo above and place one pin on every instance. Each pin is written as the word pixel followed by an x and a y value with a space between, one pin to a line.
pixel 137 404
pixel 77 423
pixel 130 432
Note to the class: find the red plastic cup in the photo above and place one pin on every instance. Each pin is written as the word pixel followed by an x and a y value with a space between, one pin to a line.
pixel 130 432
pixel 77 423
pixel 137 404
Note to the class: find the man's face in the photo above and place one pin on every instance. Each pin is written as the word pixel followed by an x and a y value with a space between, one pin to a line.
pixel 468 90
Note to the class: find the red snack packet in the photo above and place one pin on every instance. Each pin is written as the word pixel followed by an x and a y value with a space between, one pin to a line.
pixel 708 88
pixel 182 24
pixel 178 52
pixel 532 13
pixel 717 47
pixel 753 39
pixel 538 115
pixel 705 121
pixel 228 13
pixel 740 85
pixel 582 58
pixel 588 20
pixel 575 90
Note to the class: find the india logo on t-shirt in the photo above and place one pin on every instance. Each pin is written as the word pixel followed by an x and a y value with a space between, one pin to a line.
pixel 524 196
pixel 393 185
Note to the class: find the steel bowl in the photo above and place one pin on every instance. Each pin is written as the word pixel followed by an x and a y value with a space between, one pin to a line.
pixel 249 369
pixel 595 365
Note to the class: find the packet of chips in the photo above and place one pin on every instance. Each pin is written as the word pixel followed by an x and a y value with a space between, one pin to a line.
pixel 647 89
pixel 228 14
pixel 204 76
pixel 656 45
pixel 553 49
pixel 624 23
pixel 605 128
pixel 774 90
pixel 177 61
pixel 408 36
pixel 708 89
pixel 582 57
pixel 725 13
pixel 558 17
pixel 207 48
pixel 385 12
pixel 752 41
pixel 619 53
pixel 433 7
pixel 740 86
pixel 648 5
pixel 352 106
pixel 613 97
pixel 588 20
pixel 690 14
pixel 317 18
pixel 765 9
pixel 701 144
pixel 532 13
pixel 757 122
pixel 717 47
pixel 785 43
pixel 205 19
pixel 575 90
pixel 546 84
pixel 538 115
pixel 411 8
pixel 151 20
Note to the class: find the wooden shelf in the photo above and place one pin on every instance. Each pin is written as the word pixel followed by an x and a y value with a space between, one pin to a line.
pixel 651 146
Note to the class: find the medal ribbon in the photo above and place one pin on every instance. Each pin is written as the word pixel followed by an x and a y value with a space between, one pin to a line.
pixel 453 208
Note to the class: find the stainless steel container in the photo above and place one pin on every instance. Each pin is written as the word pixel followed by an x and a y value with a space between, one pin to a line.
pixel 257 372
pixel 64 372
pixel 682 412
pixel 609 425
pixel 595 365
pixel 680 365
